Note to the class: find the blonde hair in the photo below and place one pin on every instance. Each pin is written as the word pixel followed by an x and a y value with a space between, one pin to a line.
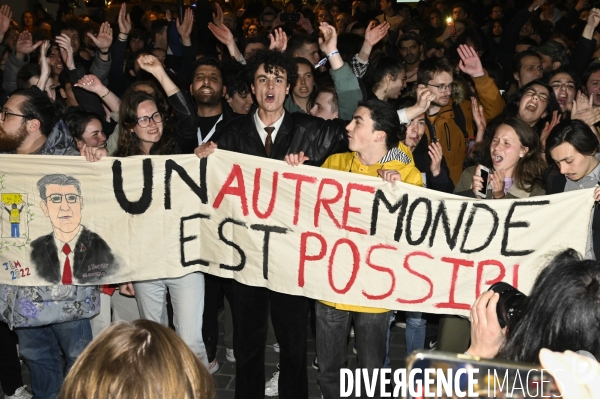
pixel 138 360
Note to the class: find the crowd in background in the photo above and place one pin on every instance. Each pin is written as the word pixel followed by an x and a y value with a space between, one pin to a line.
pixel 482 98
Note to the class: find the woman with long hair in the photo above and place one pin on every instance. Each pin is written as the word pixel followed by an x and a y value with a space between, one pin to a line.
pixel 146 129
pixel 385 78
pixel 304 89
pixel 514 159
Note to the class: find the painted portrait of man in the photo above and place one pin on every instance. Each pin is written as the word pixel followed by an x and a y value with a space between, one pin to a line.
pixel 71 254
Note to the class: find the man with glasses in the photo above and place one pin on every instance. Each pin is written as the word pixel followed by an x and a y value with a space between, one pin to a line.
pixel 449 122
pixel 29 124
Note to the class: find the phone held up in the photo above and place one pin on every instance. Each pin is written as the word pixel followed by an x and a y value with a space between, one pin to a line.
pixel 484 172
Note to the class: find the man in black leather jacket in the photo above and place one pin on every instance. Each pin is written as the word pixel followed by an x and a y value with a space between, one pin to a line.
pixel 285 133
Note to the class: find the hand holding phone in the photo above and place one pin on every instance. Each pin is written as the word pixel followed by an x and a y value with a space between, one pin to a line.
pixel 480 181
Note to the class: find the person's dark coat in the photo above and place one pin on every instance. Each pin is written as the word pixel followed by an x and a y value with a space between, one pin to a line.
pixel 316 137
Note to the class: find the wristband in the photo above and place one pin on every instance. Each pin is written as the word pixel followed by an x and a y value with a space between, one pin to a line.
pixel 332 54
pixel 107 93
pixel 104 52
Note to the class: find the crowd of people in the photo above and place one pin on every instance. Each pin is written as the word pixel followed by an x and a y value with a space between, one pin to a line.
pixel 427 94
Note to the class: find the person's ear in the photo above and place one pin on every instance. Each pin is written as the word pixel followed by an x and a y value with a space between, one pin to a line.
pixel 44 208
pixel 33 125
pixel 556 65
pixel 81 202
pixel 63 94
pixel 224 93
pixel 517 77
pixel 228 98
pixel 379 136
pixel 191 89
pixel 253 91
pixel 287 89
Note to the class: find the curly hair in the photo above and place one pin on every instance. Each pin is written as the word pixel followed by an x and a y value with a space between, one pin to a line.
pixel 129 143
pixel 235 78
pixel 273 62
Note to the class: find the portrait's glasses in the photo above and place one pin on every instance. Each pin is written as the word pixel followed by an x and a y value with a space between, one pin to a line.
pixel 144 121
pixel 57 198
pixel 542 96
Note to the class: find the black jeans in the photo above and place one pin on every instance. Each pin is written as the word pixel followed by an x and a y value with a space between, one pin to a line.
pixel 289 314
pixel 213 286
pixel 10 366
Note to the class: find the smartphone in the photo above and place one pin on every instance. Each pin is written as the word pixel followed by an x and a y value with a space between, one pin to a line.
pixel 289 17
pixel 485 377
pixel 484 172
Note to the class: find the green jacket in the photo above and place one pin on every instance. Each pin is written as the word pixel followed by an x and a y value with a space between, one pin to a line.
pixel 348 91
pixel 464 187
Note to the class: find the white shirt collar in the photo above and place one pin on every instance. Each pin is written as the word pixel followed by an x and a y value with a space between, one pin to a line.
pixel 260 127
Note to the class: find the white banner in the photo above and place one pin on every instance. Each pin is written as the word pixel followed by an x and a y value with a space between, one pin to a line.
pixel 309 231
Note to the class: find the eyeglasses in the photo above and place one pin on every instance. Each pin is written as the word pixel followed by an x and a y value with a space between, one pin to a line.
pixel 4 112
pixel 144 121
pixel 57 198
pixel 542 96
pixel 443 88
pixel 559 86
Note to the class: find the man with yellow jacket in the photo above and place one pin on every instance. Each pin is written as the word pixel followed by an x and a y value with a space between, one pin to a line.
pixel 374 136
pixel 450 122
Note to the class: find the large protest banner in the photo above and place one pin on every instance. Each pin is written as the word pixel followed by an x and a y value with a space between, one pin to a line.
pixel 306 231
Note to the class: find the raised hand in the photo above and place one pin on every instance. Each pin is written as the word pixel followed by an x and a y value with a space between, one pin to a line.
pixel 278 40
pixel 66 50
pixel 305 24
pixel 373 34
pixel 124 20
pixel 549 126
pixel 185 28
pixel 469 61
pixel 424 97
pixel 222 33
pixel 5 17
pixel 25 44
pixel 436 155
pixel 92 84
pixel 478 118
pixel 150 63
pixel 328 42
pixel 42 60
pixel 105 37
pixel 218 16
pixel 594 18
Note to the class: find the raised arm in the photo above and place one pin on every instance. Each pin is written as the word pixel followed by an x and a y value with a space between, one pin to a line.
pixel 224 35
pixel 92 84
